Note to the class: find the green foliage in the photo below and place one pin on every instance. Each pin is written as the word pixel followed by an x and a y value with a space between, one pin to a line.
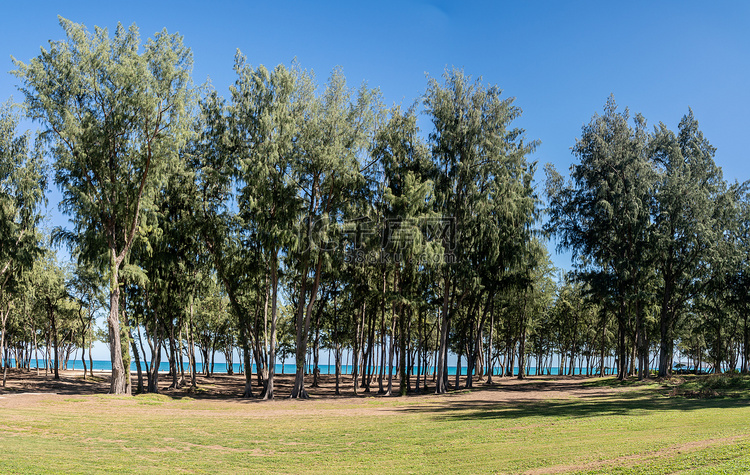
pixel 297 210
pixel 115 114
pixel 22 188
pixel 115 125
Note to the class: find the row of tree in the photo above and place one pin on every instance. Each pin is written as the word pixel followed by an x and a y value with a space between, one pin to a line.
pixel 660 236
pixel 294 215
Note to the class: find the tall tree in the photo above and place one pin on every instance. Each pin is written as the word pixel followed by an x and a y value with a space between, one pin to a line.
pixel 603 215
pixel 266 113
pixel 687 204
pixel 473 144
pixel 115 117
pixel 22 187
pixel 336 131
pixel 408 212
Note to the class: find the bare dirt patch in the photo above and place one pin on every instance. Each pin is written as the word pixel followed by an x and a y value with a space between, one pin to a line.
pixel 27 388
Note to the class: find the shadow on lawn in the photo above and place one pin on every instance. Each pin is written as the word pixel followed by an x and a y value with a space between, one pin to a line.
pixel 622 404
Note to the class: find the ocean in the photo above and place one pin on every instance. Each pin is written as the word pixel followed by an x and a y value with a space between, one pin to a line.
pixel 106 365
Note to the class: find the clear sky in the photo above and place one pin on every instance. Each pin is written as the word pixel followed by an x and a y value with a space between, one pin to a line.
pixel 560 60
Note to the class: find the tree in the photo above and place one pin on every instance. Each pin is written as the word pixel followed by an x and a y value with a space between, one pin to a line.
pixel 22 186
pixel 265 114
pixel 84 287
pixel 688 197
pixel 603 215
pixel 335 132
pixel 477 154
pixel 408 210
pixel 115 117
pixel 49 279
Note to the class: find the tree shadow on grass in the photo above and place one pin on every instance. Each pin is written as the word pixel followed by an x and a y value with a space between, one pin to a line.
pixel 22 381
pixel 623 404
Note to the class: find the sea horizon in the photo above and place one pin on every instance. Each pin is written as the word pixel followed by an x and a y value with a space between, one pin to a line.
pixel 288 368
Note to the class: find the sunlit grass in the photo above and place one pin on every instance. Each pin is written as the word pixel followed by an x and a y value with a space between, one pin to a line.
pixel 640 431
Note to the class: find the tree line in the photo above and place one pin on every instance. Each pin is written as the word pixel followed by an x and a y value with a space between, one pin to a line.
pixel 292 217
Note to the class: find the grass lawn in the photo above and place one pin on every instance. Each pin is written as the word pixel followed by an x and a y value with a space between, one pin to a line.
pixel 577 426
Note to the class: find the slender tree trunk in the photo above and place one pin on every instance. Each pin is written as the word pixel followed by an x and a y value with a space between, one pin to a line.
pixel 383 343
pixel 4 317
pixel 391 353
pixel 418 339
pixel 603 341
pixel 180 358
pixel 145 360
pixel 118 383
pixel 745 343
pixel 153 384
pixel 316 345
pixel 470 347
pixel 84 328
pixel 458 370
pixel 641 343
pixel 522 353
pixel 304 314
pixel 139 389
pixel 622 361
pixel 369 359
pixel 191 343
pixel 403 351
pixel 246 355
pixel 3 353
pixel 489 341
pixel 51 314
pixel 36 350
pixel 355 357
pixel 442 370
pixel 268 392
pixel 173 357
pixel 91 357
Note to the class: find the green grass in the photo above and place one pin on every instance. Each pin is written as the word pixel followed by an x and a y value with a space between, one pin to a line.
pixel 639 431
pixel 690 386
pixel 715 385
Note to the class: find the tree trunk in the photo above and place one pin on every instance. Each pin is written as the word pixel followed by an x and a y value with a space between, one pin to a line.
pixel 442 371
pixel 489 342
pixel 391 353
pixel 403 351
pixel 369 359
pixel 118 382
pixel 622 360
pixel 84 328
pixel 268 391
pixel 383 338
pixel 139 389
pixel 51 314
pixel 153 383
pixel 641 344
pixel 522 353
pixel 458 370
pixel 304 314
pixel 4 317
pixel 745 343
pixel 36 350
pixel 316 346
pixel 355 354
pixel 143 350
pixel 191 343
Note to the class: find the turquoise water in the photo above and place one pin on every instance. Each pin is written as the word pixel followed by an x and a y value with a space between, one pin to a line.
pixel 106 365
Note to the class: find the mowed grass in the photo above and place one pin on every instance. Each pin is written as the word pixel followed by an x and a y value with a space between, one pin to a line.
pixel 639 430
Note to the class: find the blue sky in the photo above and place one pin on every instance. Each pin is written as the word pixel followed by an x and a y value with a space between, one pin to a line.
pixel 560 60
